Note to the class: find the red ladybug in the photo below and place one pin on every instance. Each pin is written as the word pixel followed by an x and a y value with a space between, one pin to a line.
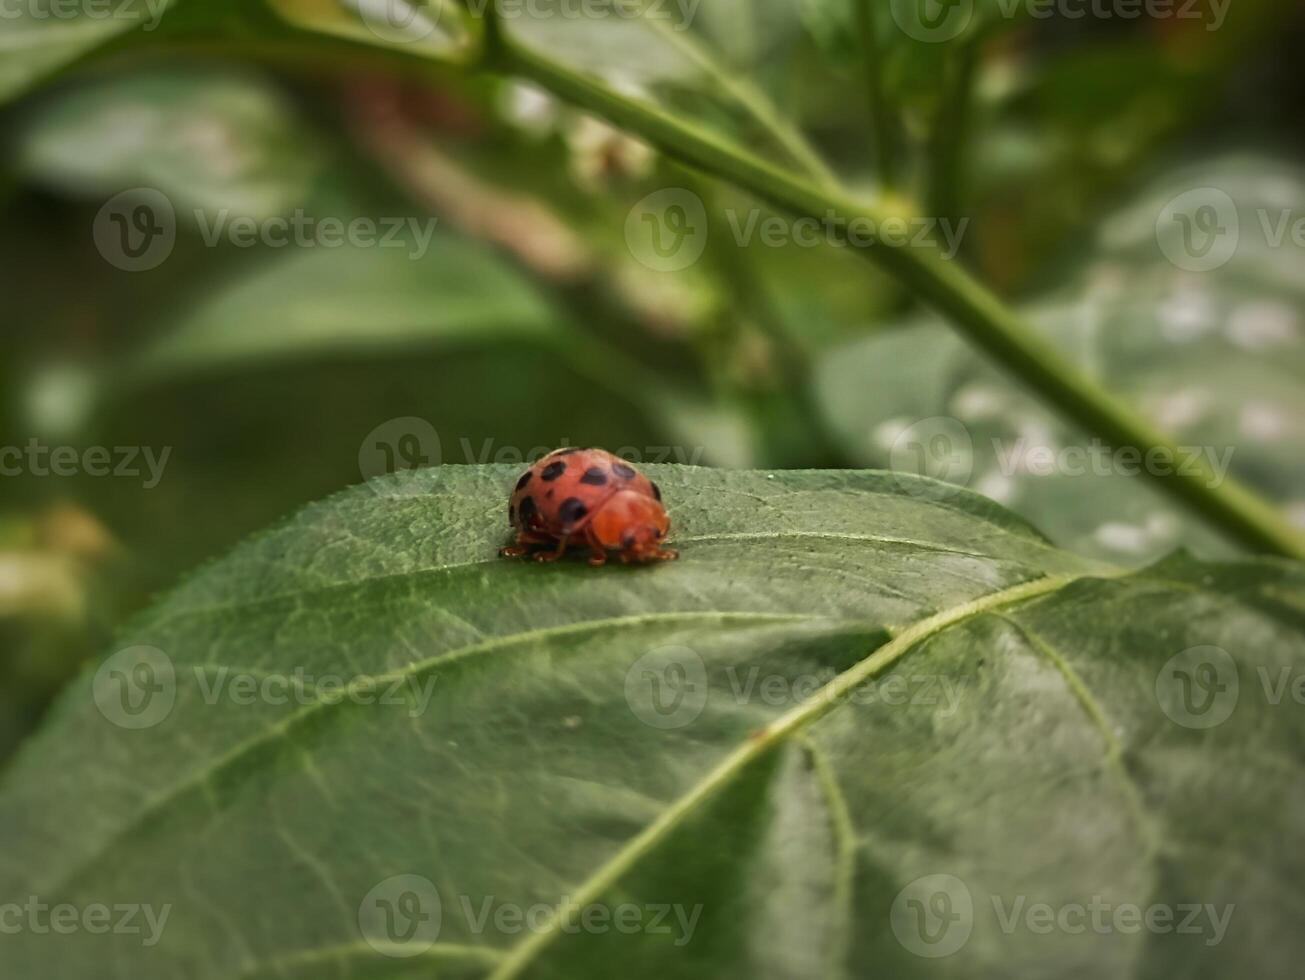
pixel 590 497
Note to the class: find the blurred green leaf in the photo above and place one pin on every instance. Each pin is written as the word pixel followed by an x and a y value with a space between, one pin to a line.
pixel 41 36
pixel 1213 357
pixel 421 288
pixel 429 28
pixel 222 141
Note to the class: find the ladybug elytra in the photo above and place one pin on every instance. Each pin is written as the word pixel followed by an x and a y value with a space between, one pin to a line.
pixel 591 498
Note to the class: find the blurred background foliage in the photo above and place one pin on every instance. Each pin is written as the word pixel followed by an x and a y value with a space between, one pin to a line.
pixel 526 322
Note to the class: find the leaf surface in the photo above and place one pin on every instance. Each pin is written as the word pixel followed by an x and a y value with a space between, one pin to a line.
pixel 848 683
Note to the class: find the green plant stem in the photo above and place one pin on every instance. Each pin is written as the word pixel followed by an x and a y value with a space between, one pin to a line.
pixel 951 134
pixel 972 308
pixel 754 101
pixel 882 122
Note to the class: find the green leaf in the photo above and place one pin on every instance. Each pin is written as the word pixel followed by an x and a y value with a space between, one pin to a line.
pixel 1156 333
pixel 422 288
pixel 629 51
pixel 224 142
pixel 436 29
pixel 41 36
pixel 757 737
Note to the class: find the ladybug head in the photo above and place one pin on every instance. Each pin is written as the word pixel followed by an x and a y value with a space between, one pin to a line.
pixel 634 523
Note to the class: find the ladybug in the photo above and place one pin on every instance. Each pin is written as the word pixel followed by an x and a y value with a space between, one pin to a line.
pixel 590 497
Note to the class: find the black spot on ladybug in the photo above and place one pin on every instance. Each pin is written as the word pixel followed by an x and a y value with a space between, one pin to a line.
pixel 572 511
pixel 552 471
pixel 657 491
pixel 525 478
pixel 526 511
pixel 627 539
pixel 595 476
pixel 623 471
pixel 512 514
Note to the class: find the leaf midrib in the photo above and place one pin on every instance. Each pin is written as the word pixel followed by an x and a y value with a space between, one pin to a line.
pixel 824 700
pixel 789 724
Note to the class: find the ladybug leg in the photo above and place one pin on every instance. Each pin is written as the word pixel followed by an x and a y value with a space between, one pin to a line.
pixel 661 554
pixel 598 554
pixel 555 554
pixel 522 545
